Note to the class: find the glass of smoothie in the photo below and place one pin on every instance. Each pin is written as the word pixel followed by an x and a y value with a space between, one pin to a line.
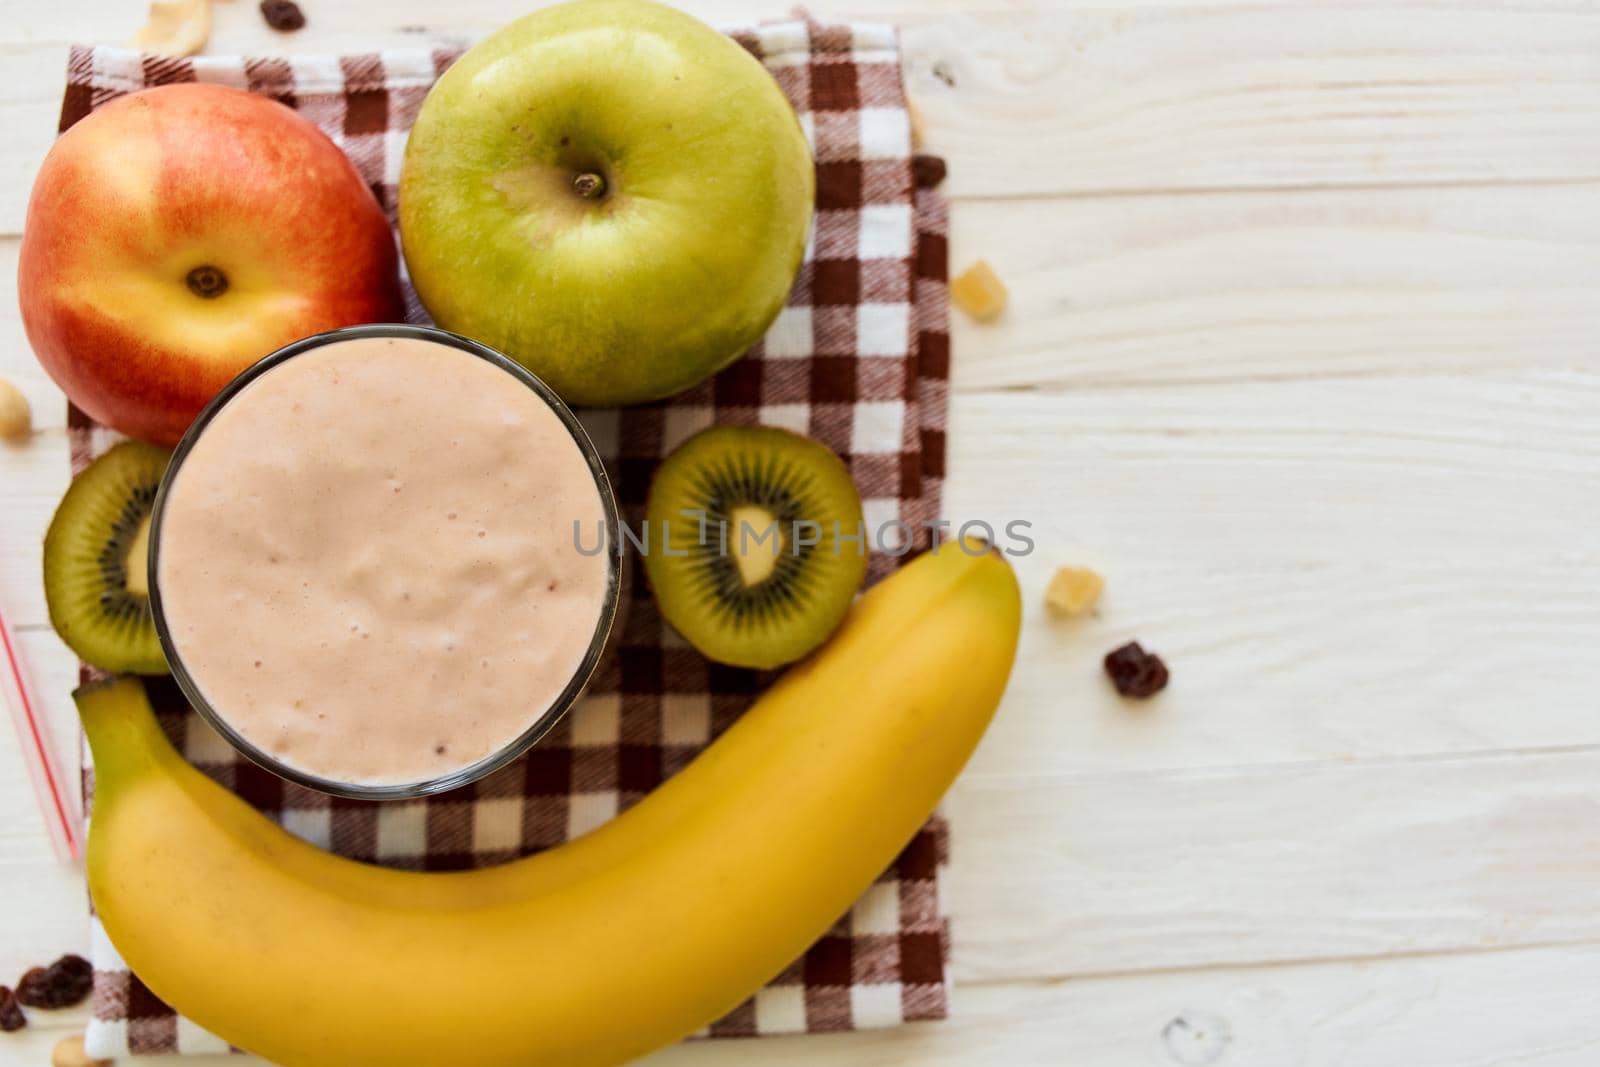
pixel 385 561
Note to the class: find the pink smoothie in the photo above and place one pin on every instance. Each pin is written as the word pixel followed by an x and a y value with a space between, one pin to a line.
pixel 367 562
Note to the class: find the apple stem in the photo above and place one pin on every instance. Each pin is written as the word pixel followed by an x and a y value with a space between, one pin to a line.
pixel 207 282
pixel 589 186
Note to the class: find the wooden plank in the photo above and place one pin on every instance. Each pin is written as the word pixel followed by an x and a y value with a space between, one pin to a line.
pixel 1111 100
pixel 1123 101
pixel 1335 663
pixel 35 476
pixel 1270 476
pixel 1332 569
pixel 1507 1009
pixel 1528 1008
pixel 45 901
pixel 1224 287
pixel 1059 874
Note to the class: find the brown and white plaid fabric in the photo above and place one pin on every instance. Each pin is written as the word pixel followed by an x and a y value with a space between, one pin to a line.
pixel 859 358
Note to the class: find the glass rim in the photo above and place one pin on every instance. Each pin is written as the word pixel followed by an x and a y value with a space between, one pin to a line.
pixel 607 626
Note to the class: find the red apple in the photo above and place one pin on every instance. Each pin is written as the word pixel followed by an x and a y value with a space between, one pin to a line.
pixel 179 234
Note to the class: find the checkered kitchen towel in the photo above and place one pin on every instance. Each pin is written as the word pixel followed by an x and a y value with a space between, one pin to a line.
pixel 859 359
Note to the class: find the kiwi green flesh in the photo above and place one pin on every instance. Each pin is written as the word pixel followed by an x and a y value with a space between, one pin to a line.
pixel 87 559
pixel 704 593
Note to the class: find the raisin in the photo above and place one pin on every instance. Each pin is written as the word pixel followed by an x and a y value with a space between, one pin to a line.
pixel 60 985
pixel 31 986
pixel 284 15
pixel 1135 672
pixel 11 1017
pixel 927 171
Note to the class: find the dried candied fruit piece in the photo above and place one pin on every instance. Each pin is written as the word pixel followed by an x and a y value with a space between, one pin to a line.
pixel 11 1017
pixel 1135 672
pixel 979 291
pixel 284 16
pixel 1073 590
pixel 918 126
pixel 60 985
pixel 69 1052
pixel 175 27
pixel 16 417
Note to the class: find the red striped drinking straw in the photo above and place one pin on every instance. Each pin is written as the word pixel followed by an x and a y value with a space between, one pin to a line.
pixel 49 784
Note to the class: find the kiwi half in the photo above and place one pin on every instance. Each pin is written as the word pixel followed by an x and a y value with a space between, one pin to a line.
pixel 733 514
pixel 96 581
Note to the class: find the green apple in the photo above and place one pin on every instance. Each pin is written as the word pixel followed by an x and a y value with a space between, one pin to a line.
pixel 610 192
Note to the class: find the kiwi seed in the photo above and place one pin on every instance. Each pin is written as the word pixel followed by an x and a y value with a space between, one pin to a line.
pixel 96 582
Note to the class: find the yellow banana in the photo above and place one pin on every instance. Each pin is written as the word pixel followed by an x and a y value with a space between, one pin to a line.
pixel 615 944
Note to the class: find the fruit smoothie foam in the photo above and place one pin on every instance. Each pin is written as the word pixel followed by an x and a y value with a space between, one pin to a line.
pixel 367 564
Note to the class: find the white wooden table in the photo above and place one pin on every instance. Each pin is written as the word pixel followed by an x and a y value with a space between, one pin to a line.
pixel 1304 355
